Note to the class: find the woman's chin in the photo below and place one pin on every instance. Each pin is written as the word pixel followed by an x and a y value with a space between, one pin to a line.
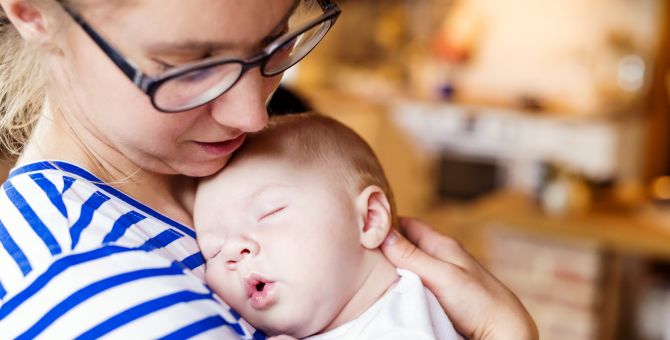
pixel 202 168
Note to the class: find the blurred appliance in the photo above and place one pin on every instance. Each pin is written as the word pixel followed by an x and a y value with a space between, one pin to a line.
pixel 465 178
pixel 517 145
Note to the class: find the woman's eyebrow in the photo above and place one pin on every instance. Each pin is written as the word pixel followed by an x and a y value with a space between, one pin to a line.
pixel 189 46
pixel 276 31
pixel 210 46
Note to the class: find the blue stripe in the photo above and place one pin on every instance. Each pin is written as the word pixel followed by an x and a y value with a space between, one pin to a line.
pixel 14 250
pixel 71 168
pixel 258 335
pixel 93 289
pixel 31 168
pixel 54 270
pixel 193 261
pixel 202 326
pixel 50 189
pixel 235 314
pixel 87 210
pixel 121 225
pixel 163 239
pixel 67 183
pixel 3 291
pixel 143 309
pixel 31 217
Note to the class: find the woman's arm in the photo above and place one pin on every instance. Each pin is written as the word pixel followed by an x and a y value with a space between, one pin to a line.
pixel 479 305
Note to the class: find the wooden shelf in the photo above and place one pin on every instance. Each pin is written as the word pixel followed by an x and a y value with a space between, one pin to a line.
pixel 635 233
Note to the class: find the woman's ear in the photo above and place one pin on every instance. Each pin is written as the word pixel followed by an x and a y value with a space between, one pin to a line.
pixel 28 19
pixel 375 211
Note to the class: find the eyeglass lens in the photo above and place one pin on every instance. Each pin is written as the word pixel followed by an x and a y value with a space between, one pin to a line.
pixel 196 87
pixel 295 49
pixel 204 85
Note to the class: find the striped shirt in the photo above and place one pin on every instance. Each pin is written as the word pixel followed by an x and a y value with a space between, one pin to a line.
pixel 80 259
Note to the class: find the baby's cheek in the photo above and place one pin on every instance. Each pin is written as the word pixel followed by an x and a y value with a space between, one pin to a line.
pixel 218 281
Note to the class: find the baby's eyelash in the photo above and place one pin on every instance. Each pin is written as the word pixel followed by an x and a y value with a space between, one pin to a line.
pixel 272 213
pixel 214 256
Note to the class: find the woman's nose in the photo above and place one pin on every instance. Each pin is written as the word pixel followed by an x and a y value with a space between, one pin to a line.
pixel 244 106
pixel 236 249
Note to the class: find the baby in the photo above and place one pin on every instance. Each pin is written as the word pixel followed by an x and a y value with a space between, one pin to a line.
pixel 291 231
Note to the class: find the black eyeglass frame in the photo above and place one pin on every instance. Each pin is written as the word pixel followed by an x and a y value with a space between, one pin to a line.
pixel 149 85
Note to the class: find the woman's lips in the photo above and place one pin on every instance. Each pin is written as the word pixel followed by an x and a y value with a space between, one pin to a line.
pixel 222 148
pixel 260 292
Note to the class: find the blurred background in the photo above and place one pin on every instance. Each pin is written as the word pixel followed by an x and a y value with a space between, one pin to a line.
pixel 536 132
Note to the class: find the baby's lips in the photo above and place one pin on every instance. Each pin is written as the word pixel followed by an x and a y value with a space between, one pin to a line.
pixel 255 283
pixel 260 292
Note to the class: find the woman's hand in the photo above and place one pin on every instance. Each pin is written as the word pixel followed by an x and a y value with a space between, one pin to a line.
pixel 479 306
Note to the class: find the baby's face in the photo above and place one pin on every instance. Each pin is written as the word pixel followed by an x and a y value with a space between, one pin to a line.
pixel 282 244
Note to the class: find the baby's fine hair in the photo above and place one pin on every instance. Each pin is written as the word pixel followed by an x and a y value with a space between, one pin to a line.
pixel 314 140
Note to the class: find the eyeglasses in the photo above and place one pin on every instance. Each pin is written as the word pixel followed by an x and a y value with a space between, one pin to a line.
pixel 189 86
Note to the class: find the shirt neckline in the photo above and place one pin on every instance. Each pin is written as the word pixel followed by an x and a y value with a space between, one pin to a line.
pixel 93 179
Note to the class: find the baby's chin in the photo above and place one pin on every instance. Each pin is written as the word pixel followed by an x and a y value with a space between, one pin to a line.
pixel 286 321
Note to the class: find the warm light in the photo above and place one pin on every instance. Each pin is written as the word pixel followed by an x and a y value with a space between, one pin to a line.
pixel 660 188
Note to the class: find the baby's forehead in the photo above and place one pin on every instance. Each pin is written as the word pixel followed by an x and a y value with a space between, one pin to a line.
pixel 248 176
pixel 283 154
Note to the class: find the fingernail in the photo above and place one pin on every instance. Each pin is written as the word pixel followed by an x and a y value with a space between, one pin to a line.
pixel 391 238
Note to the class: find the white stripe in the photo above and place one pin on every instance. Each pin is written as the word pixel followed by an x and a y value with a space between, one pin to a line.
pixel 176 316
pixel 72 280
pixel 10 273
pixel 47 212
pixel 23 234
pixel 218 333
pixel 199 272
pixel 57 179
pixel 100 225
pixel 89 314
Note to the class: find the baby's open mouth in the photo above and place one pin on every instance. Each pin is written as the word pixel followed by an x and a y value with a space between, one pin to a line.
pixel 260 291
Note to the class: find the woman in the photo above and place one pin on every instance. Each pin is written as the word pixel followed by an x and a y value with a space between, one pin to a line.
pixel 113 103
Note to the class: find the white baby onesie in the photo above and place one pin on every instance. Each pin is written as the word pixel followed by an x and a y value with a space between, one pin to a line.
pixel 407 311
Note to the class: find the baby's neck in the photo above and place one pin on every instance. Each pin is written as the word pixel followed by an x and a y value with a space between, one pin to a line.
pixel 382 275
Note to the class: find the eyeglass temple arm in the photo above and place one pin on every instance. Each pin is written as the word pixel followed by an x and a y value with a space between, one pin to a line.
pixel 326 4
pixel 128 69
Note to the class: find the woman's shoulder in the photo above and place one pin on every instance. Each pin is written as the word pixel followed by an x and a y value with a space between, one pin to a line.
pixel 62 194
pixel 51 209
pixel 33 225
pixel 78 257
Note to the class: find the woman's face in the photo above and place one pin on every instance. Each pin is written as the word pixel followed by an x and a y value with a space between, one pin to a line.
pixel 112 116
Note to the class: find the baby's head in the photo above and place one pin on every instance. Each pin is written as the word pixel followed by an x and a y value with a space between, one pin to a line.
pixel 291 227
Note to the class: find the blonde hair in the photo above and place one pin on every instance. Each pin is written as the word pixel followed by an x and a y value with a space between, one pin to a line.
pixel 22 88
pixel 315 140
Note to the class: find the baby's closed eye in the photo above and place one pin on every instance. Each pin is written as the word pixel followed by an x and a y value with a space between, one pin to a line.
pixel 272 212
pixel 212 256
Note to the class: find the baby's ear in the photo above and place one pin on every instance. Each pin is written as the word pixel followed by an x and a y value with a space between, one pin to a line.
pixel 375 216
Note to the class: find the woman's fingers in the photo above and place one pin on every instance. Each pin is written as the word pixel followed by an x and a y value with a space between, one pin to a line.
pixel 479 306
pixel 404 254
pixel 436 244
pixel 449 283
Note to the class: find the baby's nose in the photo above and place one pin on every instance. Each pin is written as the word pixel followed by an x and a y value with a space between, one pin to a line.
pixel 238 248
